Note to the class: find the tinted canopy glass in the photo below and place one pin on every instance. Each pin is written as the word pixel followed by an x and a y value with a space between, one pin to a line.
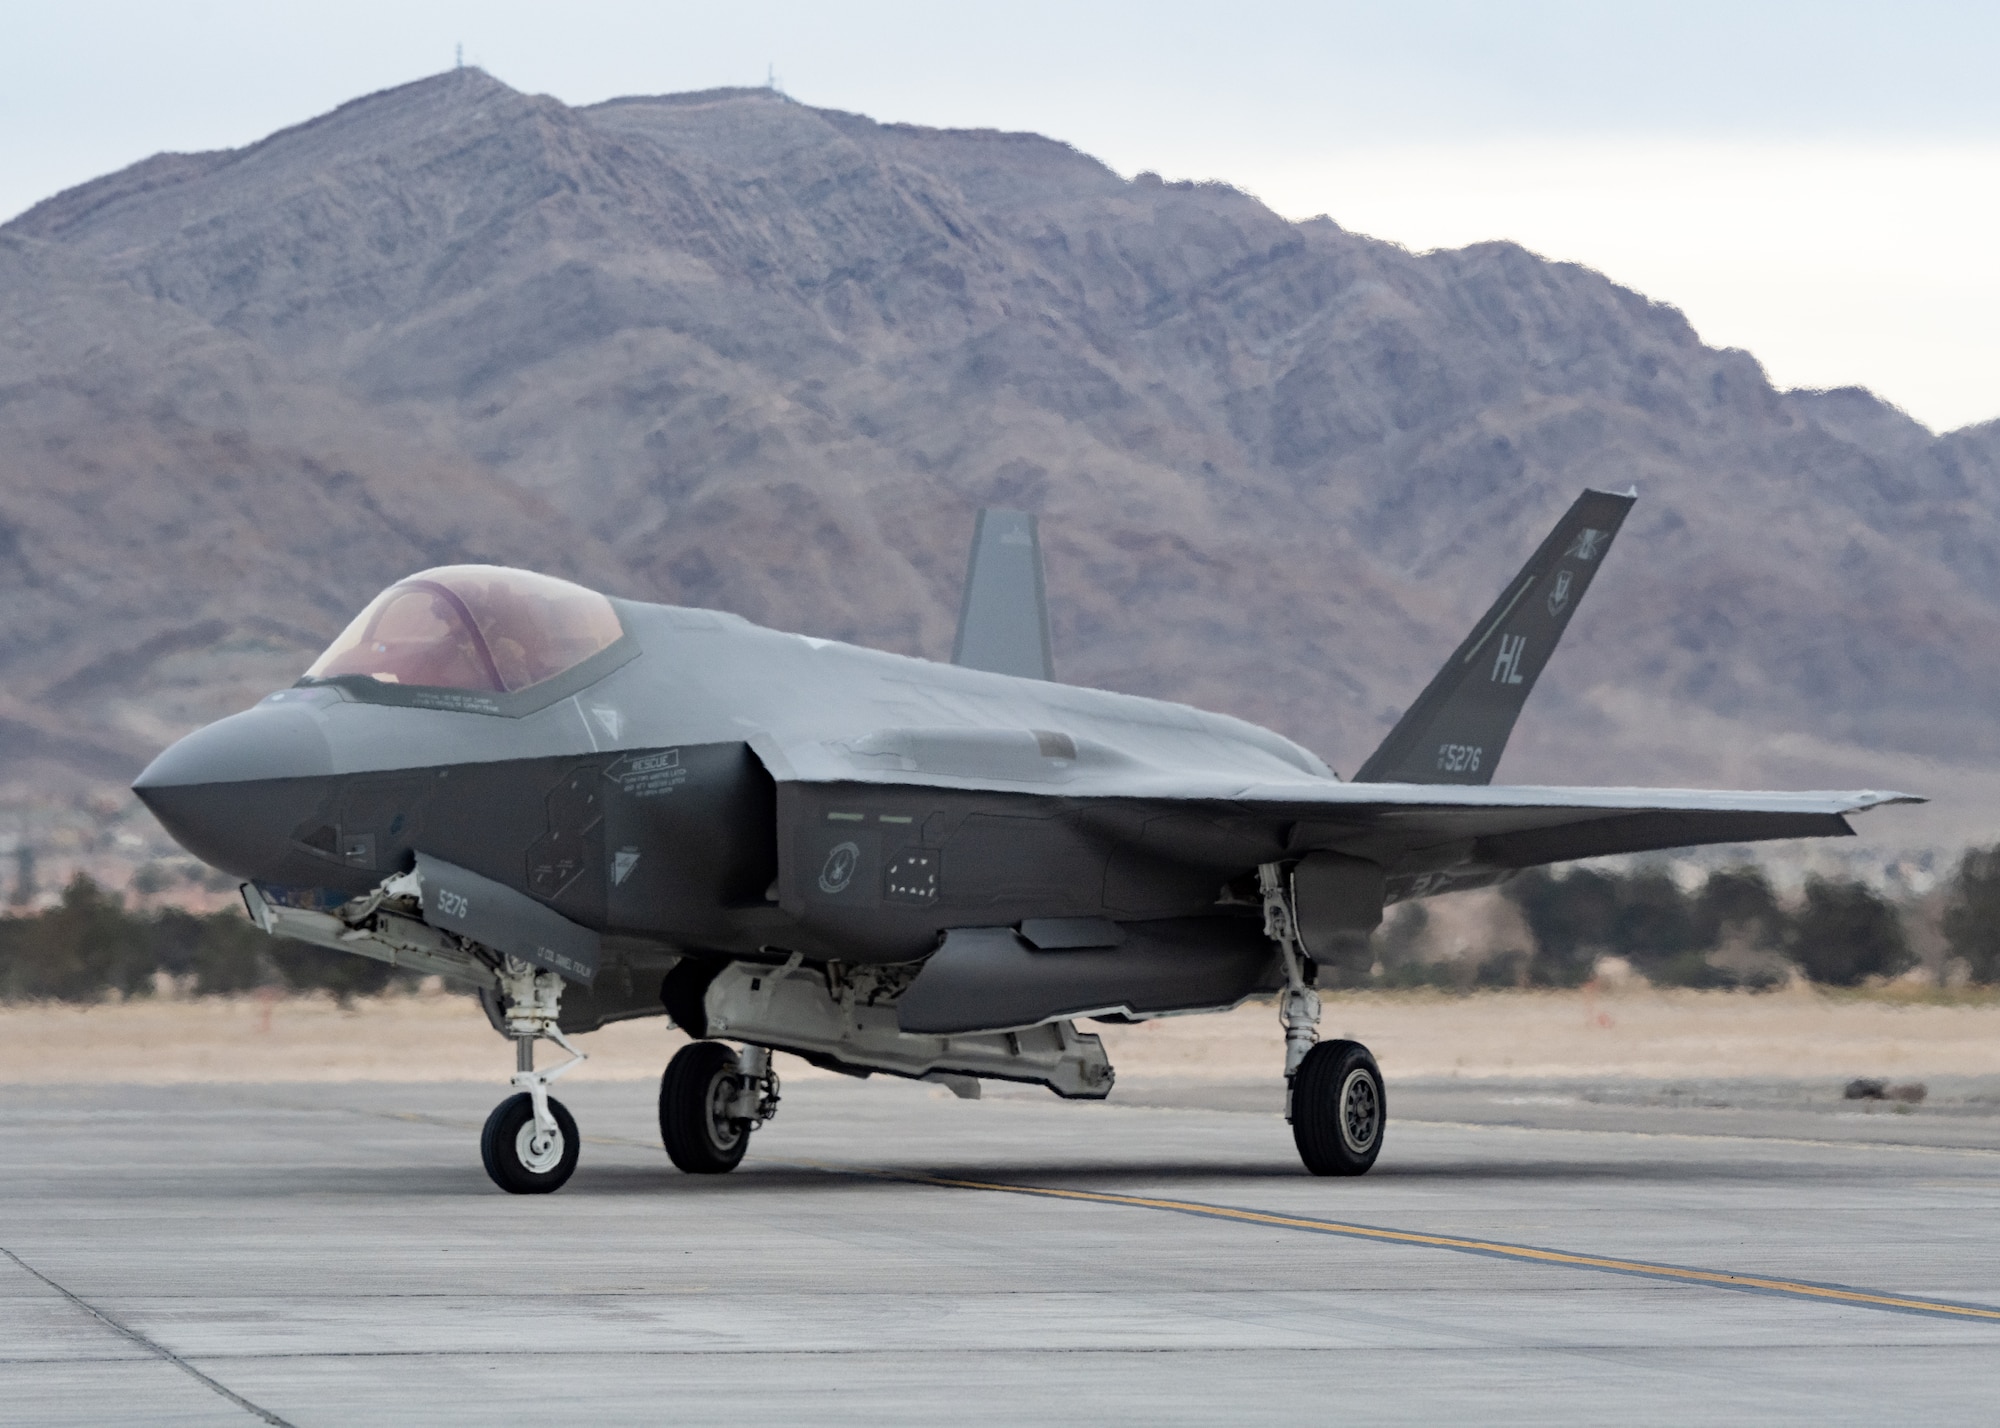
pixel 480 627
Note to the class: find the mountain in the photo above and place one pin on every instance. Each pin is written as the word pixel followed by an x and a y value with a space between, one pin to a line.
pixel 727 349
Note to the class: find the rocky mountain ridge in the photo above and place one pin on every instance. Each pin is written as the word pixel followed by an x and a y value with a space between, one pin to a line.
pixel 726 349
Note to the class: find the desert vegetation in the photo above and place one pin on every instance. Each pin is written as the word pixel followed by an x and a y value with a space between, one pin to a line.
pixel 90 947
pixel 1732 929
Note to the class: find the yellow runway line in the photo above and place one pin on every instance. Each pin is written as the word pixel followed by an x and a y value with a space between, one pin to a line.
pixel 1460 1244
pixel 1499 1249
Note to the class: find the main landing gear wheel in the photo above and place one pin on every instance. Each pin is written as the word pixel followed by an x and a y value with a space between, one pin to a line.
pixel 1338 1109
pixel 522 1158
pixel 704 1134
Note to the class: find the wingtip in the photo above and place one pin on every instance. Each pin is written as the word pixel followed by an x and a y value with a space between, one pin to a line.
pixel 1879 798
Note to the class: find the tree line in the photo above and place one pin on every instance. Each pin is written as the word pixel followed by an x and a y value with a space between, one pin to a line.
pixel 1733 930
pixel 89 946
pixel 1840 932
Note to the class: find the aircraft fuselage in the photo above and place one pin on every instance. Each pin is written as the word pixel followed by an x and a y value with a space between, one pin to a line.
pixel 617 806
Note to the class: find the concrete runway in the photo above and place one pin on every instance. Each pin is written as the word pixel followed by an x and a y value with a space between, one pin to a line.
pixel 1523 1254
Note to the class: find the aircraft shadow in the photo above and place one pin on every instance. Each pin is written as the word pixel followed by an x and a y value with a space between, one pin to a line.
pixel 1140 1176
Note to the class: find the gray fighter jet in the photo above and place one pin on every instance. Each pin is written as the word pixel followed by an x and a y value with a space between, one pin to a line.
pixel 592 809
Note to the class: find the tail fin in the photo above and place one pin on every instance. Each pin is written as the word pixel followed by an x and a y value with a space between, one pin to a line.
pixel 1003 625
pixel 1455 731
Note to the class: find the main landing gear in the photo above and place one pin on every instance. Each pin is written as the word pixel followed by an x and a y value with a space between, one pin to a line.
pixel 530 1142
pixel 711 1099
pixel 1333 1089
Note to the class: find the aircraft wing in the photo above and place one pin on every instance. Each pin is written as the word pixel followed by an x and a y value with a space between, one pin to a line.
pixel 1425 836
pixel 1429 837
pixel 1549 825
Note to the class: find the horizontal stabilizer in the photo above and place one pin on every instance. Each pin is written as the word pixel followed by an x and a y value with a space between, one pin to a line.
pixel 1003 624
pixel 1456 730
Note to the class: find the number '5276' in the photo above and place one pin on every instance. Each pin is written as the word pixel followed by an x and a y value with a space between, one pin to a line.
pixel 1459 758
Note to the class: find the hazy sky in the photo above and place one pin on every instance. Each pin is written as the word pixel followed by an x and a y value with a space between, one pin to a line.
pixel 1816 182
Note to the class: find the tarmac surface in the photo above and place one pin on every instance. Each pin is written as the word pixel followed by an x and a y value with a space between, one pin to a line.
pixel 333 1254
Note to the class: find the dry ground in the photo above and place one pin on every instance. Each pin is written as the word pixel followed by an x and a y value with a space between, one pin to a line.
pixel 1637 1033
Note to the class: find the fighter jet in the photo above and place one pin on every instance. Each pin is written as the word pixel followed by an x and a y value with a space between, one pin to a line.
pixel 590 809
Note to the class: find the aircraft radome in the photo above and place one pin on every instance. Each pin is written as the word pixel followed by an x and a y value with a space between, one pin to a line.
pixel 592 809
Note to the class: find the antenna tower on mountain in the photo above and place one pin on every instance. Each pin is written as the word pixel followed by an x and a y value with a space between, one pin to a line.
pixel 458 56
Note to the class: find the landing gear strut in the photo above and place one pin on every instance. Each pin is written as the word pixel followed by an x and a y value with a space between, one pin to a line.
pixel 1333 1090
pixel 530 1143
pixel 711 1098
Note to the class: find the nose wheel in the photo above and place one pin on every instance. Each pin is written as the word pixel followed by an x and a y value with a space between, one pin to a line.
pixel 530 1143
pixel 523 1157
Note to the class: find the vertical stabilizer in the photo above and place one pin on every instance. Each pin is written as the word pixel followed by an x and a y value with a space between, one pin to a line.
pixel 1003 624
pixel 1455 731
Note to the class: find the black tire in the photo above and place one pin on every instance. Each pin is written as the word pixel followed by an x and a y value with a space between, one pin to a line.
pixel 700 1139
pixel 517 1164
pixel 1339 1109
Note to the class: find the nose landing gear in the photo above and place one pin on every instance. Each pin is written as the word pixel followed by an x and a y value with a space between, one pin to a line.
pixel 521 1156
pixel 530 1143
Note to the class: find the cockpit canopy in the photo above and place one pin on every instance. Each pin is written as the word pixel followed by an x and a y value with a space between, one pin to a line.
pixel 475 627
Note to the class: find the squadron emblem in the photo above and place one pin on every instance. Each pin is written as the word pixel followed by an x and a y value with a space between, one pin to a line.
pixel 1559 597
pixel 839 869
pixel 1588 542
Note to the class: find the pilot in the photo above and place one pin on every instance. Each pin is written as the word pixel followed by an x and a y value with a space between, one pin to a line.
pixel 418 638
pixel 475 628
pixel 517 631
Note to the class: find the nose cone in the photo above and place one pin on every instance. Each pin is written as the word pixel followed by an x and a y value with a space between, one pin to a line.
pixel 270 741
pixel 233 793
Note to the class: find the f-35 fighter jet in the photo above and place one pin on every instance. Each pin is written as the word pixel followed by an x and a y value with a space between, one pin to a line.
pixel 591 809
